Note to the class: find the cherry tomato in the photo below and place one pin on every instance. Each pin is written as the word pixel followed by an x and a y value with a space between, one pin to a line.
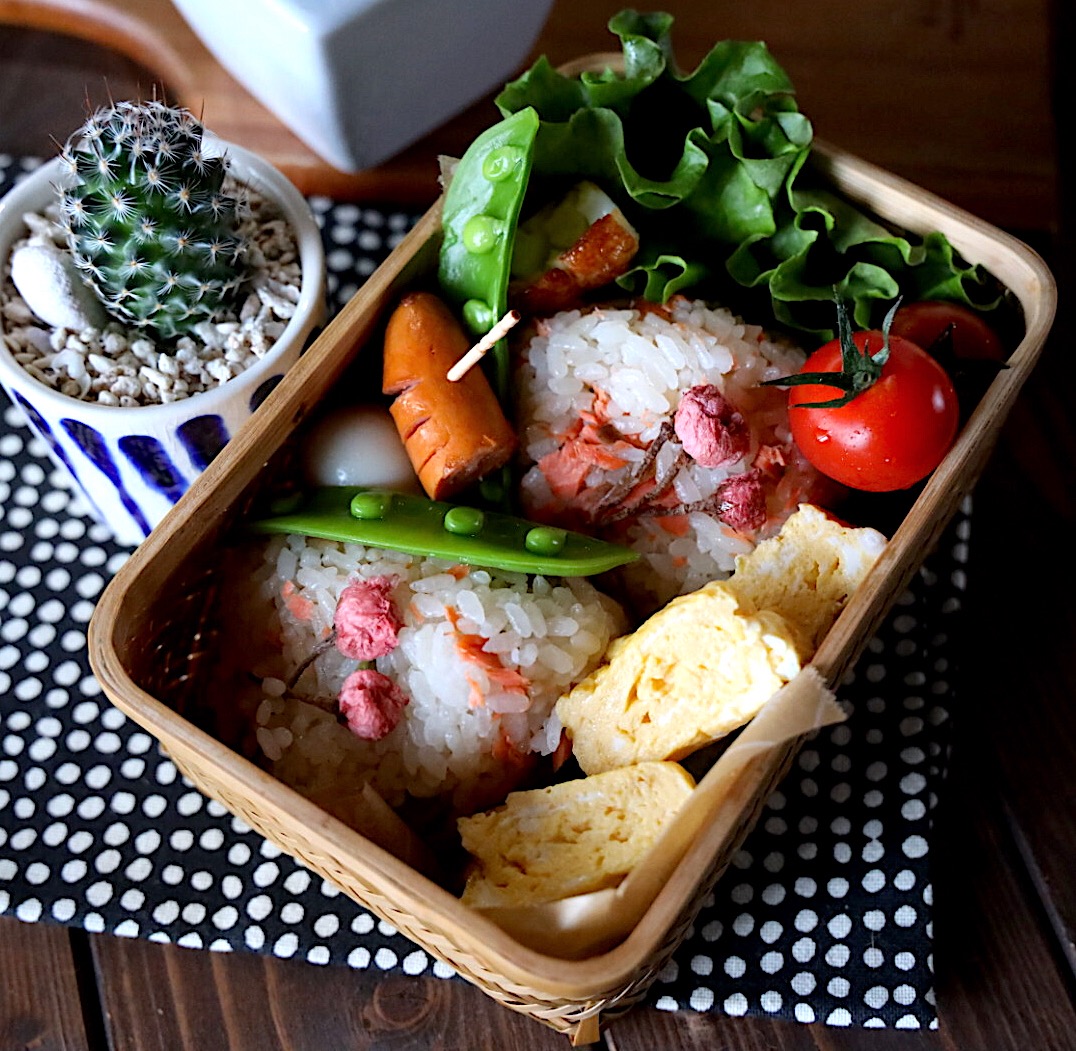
pixel 925 321
pixel 889 435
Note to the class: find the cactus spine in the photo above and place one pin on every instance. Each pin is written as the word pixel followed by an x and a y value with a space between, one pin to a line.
pixel 148 221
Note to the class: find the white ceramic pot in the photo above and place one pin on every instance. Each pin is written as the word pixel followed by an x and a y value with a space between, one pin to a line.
pixel 360 80
pixel 133 464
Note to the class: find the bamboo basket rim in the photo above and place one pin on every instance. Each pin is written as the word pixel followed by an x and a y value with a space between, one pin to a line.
pixel 114 622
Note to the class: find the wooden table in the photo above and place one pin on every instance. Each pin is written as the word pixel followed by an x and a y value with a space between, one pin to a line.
pixel 957 97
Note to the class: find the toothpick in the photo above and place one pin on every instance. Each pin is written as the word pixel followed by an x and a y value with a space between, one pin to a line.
pixel 479 350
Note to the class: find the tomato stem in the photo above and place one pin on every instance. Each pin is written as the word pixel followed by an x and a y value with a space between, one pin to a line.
pixel 860 369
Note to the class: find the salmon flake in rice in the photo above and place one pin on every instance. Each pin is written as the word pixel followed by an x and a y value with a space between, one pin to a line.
pixel 647 425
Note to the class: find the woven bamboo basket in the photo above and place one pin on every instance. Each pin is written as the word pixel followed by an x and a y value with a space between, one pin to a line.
pixel 152 637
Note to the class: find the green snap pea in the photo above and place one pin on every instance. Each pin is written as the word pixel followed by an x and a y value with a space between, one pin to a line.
pixel 417 526
pixel 480 211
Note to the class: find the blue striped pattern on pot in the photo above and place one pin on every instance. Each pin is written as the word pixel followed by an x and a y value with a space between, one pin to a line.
pixel 131 480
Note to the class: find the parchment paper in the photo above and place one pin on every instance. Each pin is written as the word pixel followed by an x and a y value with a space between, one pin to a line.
pixel 587 924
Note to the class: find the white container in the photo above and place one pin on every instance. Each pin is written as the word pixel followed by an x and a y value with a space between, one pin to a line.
pixel 133 464
pixel 360 80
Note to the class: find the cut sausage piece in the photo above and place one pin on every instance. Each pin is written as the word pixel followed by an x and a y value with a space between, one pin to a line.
pixel 455 431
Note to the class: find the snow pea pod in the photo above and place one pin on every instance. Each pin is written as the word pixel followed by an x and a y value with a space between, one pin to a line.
pixel 417 526
pixel 480 212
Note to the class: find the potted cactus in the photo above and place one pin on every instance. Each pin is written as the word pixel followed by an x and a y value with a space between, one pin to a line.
pixel 148 220
pixel 155 283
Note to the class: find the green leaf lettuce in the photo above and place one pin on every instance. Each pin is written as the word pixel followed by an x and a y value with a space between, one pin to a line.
pixel 712 167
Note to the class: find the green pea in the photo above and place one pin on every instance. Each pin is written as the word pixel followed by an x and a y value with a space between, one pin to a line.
pixel 502 162
pixel 481 233
pixel 464 521
pixel 545 540
pixel 493 489
pixel 371 504
pixel 478 316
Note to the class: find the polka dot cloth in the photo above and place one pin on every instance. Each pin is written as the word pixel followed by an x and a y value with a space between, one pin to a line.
pixel 824 915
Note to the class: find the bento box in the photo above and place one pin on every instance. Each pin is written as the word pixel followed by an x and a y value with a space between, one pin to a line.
pixel 153 635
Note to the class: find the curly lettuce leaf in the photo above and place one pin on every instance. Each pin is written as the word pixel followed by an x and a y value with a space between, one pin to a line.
pixel 712 167
pixel 662 275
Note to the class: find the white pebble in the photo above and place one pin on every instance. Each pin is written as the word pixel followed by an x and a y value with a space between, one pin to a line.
pixel 47 280
pixel 218 369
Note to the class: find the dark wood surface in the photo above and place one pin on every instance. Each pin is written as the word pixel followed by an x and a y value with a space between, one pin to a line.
pixel 1005 846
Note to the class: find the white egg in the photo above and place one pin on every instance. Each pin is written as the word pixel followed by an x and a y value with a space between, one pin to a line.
pixel 358 446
